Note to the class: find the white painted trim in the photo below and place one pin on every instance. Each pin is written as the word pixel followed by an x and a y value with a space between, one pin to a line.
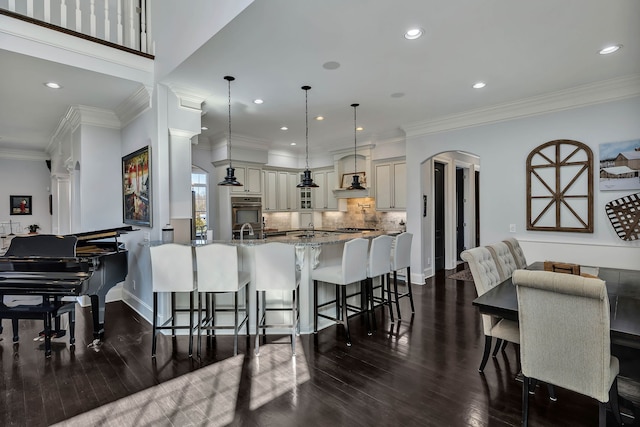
pixel 139 306
pixel 23 154
pixel 593 93
pixel 136 104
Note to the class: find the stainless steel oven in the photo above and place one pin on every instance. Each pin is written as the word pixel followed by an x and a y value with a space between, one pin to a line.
pixel 246 210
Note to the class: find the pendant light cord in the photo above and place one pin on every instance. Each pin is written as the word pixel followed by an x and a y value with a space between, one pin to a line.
pixel 355 131
pixel 229 79
pixel 306 122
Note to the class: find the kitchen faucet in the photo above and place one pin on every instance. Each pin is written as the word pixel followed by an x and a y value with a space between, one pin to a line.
pixel 246 224
pixel 313 230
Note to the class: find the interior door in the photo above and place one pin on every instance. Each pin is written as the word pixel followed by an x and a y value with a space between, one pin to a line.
pixel 438 181
pixel 459 212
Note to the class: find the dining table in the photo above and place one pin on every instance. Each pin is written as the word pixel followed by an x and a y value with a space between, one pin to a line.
pixel 623 289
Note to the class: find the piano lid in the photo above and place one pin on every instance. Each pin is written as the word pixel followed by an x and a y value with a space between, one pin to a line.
pixel 103 234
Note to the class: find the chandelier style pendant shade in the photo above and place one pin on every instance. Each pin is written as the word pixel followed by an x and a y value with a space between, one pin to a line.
pixel 230 179
pixel 355 185
pixel 307 181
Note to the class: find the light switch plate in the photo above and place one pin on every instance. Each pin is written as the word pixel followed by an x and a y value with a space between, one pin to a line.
pixel 512 228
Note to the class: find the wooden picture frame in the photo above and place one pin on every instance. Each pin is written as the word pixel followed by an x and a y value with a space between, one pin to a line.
pixel 20 205
pixel 560 187
pixel 136 188
pixel 347 179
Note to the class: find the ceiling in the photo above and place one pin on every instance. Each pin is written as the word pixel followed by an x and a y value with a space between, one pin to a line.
pixel 521 49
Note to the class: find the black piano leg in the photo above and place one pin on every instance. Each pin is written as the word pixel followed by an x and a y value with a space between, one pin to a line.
pixel 72 327
pixel 47 335
pixel 98 327
pixel 14 324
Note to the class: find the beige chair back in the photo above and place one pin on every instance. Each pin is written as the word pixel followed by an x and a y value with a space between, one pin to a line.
pixel 504 259
pixel 564 331
pixel 485 276
pixel 516 250
pixel 401 251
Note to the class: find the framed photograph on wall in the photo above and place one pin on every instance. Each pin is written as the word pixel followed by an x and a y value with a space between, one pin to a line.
pixel 347 179
pixel 20 205
pixel 136 188
pixel 620 165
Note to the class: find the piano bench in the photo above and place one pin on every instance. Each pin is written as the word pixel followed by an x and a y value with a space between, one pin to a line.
pixel 45 311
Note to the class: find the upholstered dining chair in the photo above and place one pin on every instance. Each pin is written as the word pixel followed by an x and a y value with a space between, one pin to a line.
pixel 352 269
pixel 218 273
pixel 564 337
pixel 276 274
pixel 485 276
pixel 401 259
pixel 504 259
pixel 516 250
pixel 378 266
pixel 172 272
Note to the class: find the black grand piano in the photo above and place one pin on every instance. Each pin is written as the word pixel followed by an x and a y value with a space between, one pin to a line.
pixel 88 263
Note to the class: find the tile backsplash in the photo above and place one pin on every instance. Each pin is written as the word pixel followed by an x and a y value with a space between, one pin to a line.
pixel 361 213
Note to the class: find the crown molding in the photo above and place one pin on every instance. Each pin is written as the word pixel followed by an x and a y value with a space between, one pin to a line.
pixel 187 98
pixel 134 105
pixel 6 153
pixel 580 96
pixel 78 115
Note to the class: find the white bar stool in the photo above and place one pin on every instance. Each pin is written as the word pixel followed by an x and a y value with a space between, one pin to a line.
pixel 172 271
pixel 351 270
pixel 217 273
pixel 379 254
pixel 275 270
pixel 401 258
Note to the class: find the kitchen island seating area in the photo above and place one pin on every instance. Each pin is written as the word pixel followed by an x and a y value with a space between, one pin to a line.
pixel 307 279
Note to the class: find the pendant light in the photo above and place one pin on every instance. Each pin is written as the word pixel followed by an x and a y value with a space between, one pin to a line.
pixel 355 185
pixel 230 179
pixel 307 181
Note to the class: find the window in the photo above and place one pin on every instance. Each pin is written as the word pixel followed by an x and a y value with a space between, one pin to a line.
pixel 199 189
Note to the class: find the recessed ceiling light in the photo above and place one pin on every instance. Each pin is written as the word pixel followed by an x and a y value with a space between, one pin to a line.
pixel 319 118
pixel 413 33
pixel 53 85
pixel 258 101
pixel 284 128
pixel 331 65
pixel 359 128
pixel 479 85
pixel 293 143
pixel 204 128
pixel 610 49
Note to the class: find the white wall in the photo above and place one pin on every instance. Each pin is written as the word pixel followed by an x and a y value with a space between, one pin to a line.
pixel 25 178
pixel 195 22
pixel 101 178
pixel 503 148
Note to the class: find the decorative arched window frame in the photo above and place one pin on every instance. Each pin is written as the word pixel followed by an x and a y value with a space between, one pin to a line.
pixel 560 187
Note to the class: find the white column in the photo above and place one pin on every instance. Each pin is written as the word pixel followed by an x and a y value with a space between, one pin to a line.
pixel 180 173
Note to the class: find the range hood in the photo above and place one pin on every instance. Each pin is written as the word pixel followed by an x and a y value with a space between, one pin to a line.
pixel 342 193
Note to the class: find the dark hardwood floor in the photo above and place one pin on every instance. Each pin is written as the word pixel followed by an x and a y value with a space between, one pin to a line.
pixel 422 371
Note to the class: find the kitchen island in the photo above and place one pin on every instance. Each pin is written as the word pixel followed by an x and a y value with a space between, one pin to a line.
pixel 312 250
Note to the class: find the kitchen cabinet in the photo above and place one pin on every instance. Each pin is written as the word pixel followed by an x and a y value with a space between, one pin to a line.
pixel 391 185
pixel 250 176
pixel 280 192
pixel 323 197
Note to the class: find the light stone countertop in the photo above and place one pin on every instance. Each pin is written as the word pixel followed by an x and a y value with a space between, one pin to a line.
pixel 319 238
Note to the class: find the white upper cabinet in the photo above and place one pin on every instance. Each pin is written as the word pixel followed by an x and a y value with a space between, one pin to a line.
pixel 323 197
pixel 391 185
pixel 280 192
pixel 250 177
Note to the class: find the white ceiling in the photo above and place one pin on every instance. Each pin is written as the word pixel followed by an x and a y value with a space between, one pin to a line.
pixel 520 49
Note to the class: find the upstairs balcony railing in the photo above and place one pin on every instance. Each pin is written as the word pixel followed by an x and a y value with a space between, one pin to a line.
pixel 122 24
